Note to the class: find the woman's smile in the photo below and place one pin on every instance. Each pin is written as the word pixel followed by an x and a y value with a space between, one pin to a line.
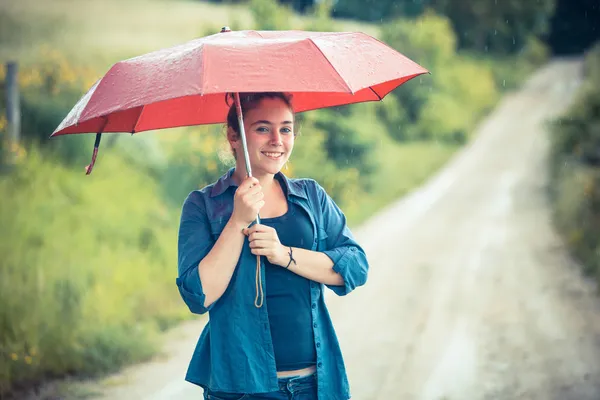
pixel 273 155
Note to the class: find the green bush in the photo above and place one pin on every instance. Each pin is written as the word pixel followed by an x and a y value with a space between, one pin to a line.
pixel 446 105
pixel 86 273
pixel 345 146
pixel 577 212
pixel 591 63
pixel 575 170
pixel 269 15
pixel 197 156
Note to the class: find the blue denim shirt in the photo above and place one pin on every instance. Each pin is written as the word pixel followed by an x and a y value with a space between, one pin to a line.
pixel 235 352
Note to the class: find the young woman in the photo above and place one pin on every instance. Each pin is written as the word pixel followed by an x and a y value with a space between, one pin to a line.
pixel 285 348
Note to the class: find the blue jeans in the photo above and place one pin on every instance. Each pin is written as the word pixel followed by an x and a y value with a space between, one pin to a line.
pixel 292 388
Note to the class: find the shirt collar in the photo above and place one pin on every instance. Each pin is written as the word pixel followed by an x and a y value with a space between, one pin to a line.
pixel 226 181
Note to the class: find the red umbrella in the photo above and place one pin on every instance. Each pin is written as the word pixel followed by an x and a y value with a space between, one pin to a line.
pixel 186 84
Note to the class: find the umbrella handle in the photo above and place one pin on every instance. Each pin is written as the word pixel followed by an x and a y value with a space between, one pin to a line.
pixel 258 301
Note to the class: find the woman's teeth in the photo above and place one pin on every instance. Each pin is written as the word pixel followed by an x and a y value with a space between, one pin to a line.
pixel 273 155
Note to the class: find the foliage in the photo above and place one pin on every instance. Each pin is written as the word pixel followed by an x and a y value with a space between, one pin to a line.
pixel 269 15
pixel 378 10
pixel 344 145
pixel 196 157
pixel 501 27
pixel 446 105
pixel 48 90
pixel 574 26
pixel 575 170
pixel 85 282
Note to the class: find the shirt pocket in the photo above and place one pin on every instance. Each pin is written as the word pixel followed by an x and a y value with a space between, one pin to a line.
pixel 321 239
pixel 216 228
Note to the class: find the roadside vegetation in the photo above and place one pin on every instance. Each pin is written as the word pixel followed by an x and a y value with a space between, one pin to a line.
pixel 575 170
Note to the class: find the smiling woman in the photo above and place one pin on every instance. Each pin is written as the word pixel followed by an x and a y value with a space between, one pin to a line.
pixel 305 245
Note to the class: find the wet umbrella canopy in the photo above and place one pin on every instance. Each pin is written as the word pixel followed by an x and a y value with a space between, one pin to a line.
pixel 188 84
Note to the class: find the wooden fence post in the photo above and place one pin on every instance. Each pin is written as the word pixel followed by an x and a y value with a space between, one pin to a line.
pixel 13 113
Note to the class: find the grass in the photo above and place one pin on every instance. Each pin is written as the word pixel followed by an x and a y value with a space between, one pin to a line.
pixel 86 277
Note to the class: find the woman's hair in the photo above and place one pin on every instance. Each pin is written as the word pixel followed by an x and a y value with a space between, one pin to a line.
pixel 250 101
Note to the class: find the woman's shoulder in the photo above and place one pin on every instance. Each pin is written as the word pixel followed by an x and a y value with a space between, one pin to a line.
pixel 306 185
pixel 211 190
pixel 199 198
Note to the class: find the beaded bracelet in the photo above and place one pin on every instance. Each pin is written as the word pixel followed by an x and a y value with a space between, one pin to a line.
pixel 291 259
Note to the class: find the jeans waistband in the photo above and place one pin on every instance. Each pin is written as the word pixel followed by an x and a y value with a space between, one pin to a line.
pixel 294 383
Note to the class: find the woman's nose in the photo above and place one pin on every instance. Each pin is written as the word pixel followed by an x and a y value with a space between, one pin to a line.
pixel 276 138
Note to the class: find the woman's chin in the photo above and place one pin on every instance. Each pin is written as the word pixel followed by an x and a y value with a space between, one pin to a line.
pixel 271 166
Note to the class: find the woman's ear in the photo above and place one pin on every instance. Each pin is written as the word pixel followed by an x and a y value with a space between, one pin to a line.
pixel 233 137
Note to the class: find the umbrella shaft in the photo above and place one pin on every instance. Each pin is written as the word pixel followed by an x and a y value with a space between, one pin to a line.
pixel 240 117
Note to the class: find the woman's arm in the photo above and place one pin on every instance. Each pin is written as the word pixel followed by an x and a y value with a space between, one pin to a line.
pixel 312 265
pixel 205 269
pixel 216 269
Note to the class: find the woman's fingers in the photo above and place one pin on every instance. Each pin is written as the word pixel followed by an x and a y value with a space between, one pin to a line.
pixel 260 244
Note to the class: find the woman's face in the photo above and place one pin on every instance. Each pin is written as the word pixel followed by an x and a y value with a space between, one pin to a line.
pixel 269 135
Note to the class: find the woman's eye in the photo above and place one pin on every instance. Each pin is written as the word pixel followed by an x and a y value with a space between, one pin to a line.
pixel 286 130
pixel 262 129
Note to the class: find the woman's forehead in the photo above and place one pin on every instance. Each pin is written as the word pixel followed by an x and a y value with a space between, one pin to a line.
pixel 273 110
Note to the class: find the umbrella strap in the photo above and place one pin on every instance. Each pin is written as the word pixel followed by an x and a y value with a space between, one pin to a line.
pixel 88 169
pixel 258 304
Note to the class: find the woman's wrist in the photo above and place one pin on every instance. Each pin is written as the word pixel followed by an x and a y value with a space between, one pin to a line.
pixel 287 258
pixel 237 225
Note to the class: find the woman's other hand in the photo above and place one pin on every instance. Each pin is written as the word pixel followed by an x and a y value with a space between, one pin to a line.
pixel 265 242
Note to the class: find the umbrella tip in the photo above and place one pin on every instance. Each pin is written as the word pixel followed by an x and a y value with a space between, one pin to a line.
pixel 225 29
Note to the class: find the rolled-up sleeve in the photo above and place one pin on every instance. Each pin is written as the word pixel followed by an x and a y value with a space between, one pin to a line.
pixel 194 243
pixel 349 258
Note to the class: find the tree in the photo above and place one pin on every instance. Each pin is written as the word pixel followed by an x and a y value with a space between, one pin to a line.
pixel 574 26
pixel 377 10
pixel 500 26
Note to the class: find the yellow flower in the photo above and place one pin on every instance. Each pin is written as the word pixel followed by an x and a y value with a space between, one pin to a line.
pixel 28 359
pixel 14 356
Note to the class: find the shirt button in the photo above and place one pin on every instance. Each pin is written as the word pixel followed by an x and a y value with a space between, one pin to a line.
pixel 318 344
pixel 314 305
pixel 315 325
pixel 320 365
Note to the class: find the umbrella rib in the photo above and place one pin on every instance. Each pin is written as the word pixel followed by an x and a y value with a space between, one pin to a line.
pixel 138 119
pixel 329 62
pixel 376 94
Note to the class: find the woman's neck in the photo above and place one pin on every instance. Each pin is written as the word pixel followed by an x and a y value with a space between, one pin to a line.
pixel 266 180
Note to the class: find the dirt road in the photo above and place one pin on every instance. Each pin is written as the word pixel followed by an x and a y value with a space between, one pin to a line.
pixel 470 294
